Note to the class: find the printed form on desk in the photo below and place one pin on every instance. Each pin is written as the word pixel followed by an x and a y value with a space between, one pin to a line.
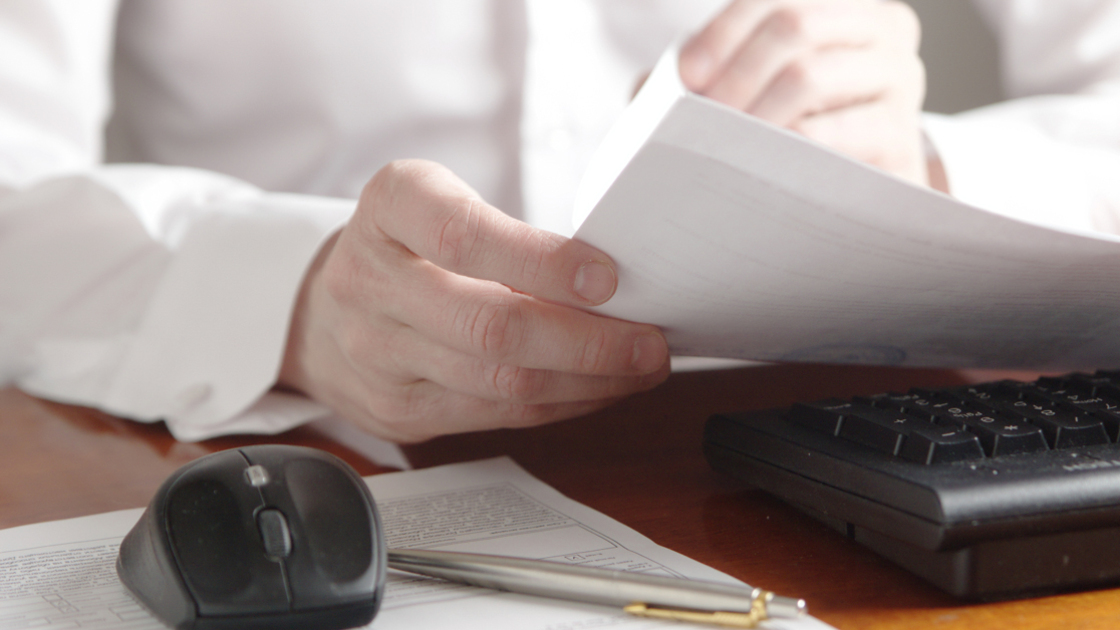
pixel 61 574
pixel 743 240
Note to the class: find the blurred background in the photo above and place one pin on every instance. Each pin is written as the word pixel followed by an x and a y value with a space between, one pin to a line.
pixel 961 56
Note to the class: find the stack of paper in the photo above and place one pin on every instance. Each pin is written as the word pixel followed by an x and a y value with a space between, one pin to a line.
pixel 744 240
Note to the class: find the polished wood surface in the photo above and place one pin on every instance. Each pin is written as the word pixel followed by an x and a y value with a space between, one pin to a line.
pixel 639 462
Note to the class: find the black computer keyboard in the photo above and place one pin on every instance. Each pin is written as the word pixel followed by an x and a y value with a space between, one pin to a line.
pixel 1000 490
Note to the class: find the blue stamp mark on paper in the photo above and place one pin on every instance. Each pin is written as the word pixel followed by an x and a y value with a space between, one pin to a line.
pixel 852 353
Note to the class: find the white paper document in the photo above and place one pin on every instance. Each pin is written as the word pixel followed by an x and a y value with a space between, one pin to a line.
pixel 744 240
pixel 61 574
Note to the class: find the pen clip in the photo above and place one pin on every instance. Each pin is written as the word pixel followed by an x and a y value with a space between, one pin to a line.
pixel 714 617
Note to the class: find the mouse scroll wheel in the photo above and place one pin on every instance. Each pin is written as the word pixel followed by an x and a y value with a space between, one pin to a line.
pixel 257 476
pixel 275 535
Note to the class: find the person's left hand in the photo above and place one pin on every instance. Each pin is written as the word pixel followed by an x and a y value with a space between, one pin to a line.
pixel 843 72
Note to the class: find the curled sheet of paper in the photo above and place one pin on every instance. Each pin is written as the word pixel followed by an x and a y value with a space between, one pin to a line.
pixel 744 240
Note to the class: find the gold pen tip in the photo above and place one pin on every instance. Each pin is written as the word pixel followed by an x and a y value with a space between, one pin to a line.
pixel 764 606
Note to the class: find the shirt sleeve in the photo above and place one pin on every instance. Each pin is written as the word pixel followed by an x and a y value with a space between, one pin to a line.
pixel 1050 154
pixel 151 292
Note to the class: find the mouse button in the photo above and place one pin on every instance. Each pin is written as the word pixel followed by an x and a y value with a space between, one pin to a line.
pixel 146 567
pixel 275 534
pixel 217 546
pixel 337 548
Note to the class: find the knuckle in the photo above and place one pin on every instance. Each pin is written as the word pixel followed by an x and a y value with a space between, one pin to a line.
pixel 375 188
pixel 398 186
pixel 385 183
pixel 595 355
pixel 536 257
pixel 455 239
pixel 789 23
pixel 383 192
pixel 801 75
pixel 494 328
pixel 514 383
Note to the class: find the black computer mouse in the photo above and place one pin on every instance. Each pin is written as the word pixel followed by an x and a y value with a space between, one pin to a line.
pixel 259 537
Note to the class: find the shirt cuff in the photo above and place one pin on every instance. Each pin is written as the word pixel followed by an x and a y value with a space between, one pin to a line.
pixel 210 346
pixel 273 412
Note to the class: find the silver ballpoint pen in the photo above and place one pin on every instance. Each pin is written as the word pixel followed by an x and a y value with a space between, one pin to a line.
pixel 636 593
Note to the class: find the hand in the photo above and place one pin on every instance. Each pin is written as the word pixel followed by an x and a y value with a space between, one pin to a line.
pixel 843 72
pixel 432 312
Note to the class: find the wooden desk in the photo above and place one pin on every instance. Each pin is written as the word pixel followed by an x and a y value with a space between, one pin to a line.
pixel 639 462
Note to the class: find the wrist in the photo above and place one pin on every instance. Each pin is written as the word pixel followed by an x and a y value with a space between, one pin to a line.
pixel 295 375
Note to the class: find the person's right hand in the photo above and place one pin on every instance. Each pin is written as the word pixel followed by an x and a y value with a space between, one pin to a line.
pixel 432 312
pixel 845 73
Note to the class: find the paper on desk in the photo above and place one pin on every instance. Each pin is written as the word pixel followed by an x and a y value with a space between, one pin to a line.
pixel 743 240
pixel 61 574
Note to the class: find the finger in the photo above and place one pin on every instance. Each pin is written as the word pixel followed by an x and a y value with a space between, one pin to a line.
pixel 439 218
pixel 787 35
pixel 489 321
pixel 479 317
pixel 707 51
pixel 831 79
pixel 507 382
pixel 873 133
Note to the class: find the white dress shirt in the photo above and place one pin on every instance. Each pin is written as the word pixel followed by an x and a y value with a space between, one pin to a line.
pixel 168 168
pixel 1050 154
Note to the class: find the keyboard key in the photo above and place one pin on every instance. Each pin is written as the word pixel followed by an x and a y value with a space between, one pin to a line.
pixel 1104 410
pixel 1051 383
pixel 870 401
pixel 893 401
pixel 1005 390
pixel 1113 376
pixel 934 444
pixel 825 416
pixel 918 405
pixel 1063 426
pixel 1092 385
pixel 992 394
pixel 880 429
pixel 999 432
pixel 949 407
pixel 1000 436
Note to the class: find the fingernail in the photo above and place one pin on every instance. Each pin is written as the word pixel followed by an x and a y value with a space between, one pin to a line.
pixel 649 352
pixel 595 282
